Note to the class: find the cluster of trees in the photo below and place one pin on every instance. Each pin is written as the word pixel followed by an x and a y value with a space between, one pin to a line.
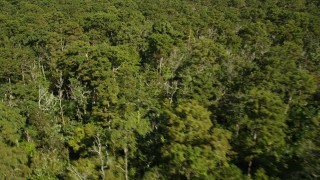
pixel 166 89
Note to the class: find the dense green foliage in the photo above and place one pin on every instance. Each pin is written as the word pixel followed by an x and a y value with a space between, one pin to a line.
pixel 122 89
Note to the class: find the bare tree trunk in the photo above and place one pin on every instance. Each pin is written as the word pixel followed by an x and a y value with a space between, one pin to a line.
pixel 160 65
pixel 126 162
pixel 249 167
pixel 39 97
pixel 237 129
pixel 251 158
pixel 60 105
pixel 59 86
pixel 76 173
pixel 98 150
pixel 10 97
pixel 288 105
pixel 22 74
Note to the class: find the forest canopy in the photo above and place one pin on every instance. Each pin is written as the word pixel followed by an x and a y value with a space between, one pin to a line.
pixel 167 89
